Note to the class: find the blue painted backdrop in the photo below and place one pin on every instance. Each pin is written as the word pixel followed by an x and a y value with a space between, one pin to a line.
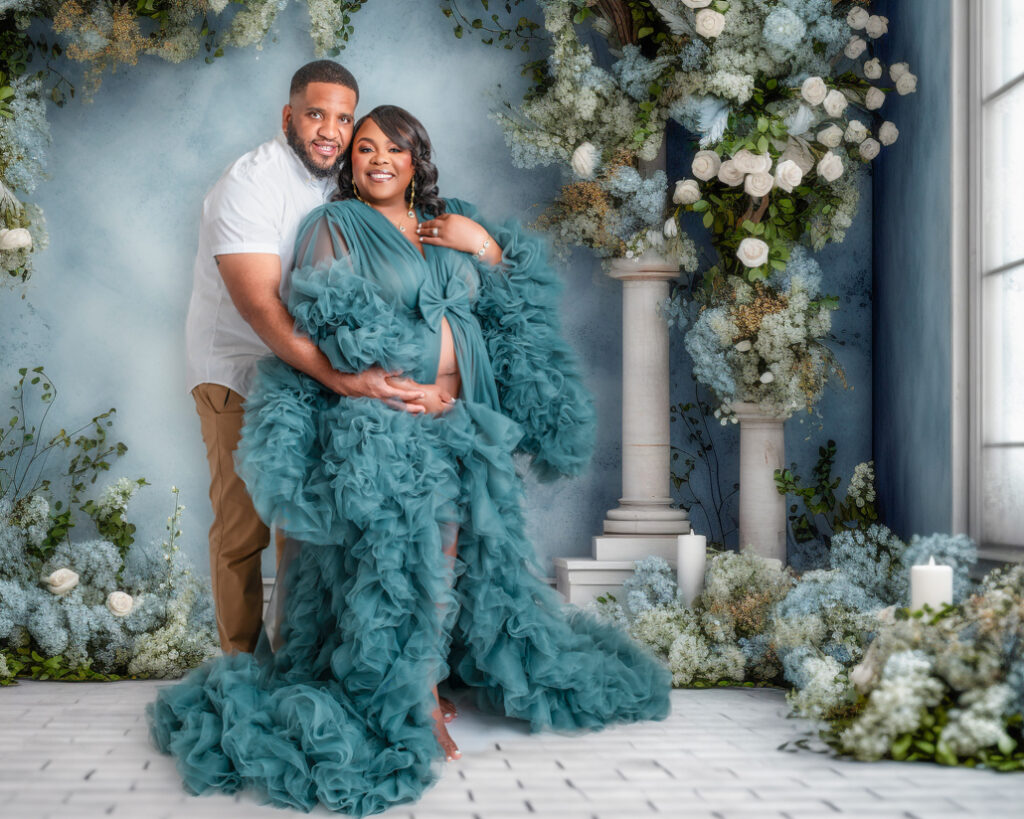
pixel 106 307
pixel 912 373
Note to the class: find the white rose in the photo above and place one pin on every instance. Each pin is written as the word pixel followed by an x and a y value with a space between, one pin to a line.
pixel 671 228
pixel 752 252
pixel 830 137
pixel 764 163
pixel 874 98
pixel 697 4
pixel 788 175
pixel 746 161
pixel 897 70
pixel 705 165
pixel 855 131
pixel 61 582
pixel 873 69
pixel 876 26
pixel 767 377
pixel 15 239
pixel 730 175
pixel 584 160
pixel 857 18
pixel 855 47
pixel 814 90
pixel 710 23
pixel 119 603
pixel 687 192
pixel 835 103
pixel 869 149
pixel 888 133
pixel 830 167
pixel 743 346
pixel 758 184
pixel 906 84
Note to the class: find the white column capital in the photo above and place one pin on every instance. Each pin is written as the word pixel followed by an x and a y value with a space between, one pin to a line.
pixel 648 266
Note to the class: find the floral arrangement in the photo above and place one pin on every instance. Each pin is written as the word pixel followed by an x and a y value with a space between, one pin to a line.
pixel 785 100
pixel 787 111
pixel 84 611
pixel 584 120
pixel 761 342
pixel 881 681
pixel 97 607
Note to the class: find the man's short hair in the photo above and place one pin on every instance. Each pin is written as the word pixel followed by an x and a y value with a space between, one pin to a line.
pixel 322 71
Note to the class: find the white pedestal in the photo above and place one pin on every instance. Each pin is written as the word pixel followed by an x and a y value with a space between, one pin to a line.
pixel 644 523
pixel 581 580
pixel 762 508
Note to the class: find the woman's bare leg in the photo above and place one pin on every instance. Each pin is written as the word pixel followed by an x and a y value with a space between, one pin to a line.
pixel 451 750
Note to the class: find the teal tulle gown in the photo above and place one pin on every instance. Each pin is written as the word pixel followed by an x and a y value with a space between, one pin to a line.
pixel 335 707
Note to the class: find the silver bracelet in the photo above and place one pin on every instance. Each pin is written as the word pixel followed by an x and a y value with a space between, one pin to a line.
pixel 480 253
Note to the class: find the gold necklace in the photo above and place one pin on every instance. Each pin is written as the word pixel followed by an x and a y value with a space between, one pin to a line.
pixel 398 224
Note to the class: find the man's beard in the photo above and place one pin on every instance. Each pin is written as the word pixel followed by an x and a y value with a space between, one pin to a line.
pixel 302 152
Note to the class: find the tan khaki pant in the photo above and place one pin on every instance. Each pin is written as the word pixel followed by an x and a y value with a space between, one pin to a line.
pixel 237 536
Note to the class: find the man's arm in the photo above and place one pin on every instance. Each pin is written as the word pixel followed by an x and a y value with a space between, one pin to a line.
pixel 253 281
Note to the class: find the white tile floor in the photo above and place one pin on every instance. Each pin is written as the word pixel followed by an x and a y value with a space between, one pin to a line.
pixel 81 750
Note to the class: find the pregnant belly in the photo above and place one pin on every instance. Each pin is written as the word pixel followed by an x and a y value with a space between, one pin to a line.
pixel 448 366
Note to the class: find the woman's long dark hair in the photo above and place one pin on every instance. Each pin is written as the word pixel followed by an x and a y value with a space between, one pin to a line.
pixel 407 133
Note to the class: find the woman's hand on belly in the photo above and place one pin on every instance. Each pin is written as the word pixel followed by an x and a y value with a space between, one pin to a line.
pixel 436 399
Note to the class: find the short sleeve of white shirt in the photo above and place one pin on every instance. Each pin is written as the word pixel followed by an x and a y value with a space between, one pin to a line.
pixel 243 217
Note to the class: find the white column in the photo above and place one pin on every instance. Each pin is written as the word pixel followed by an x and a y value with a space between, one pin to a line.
pixel 762 508
pixel 645 505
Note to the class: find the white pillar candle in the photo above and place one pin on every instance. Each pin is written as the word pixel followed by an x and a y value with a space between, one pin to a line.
pixel 691 559
pixel 931 584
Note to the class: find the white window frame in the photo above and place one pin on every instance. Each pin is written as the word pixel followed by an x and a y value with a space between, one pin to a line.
pixel 967 144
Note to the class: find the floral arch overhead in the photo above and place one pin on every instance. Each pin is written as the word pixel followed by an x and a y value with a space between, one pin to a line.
pixel 786 102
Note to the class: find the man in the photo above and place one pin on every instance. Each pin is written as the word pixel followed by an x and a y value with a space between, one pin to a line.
pixel 237 316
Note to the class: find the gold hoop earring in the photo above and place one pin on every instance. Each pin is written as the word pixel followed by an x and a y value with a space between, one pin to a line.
pixel 412 198
pixel 355 190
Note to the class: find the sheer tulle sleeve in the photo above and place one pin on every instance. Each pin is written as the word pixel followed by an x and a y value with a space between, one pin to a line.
pixel 537 372
pixel 346 315
pixel 320 242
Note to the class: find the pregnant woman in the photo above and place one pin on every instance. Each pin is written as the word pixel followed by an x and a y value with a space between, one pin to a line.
pixel 407 562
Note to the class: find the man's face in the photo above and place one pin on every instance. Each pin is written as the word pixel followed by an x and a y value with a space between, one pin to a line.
pixel 318 125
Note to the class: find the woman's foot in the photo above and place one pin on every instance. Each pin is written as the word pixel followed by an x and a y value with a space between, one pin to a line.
pixel 448 708
pixel 451 750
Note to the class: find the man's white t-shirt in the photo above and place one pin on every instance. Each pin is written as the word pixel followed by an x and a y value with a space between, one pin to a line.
pixel 255 207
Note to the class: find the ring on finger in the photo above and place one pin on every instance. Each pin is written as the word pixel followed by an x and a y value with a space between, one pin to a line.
pixel 434 232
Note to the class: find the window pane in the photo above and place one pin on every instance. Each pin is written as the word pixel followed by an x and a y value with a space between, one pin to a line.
pixel 1001 36
pixel 1002 176
pixel 1003 513
pixel 1002 354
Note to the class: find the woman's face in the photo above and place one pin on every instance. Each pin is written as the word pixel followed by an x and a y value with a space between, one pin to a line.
pixel 381 170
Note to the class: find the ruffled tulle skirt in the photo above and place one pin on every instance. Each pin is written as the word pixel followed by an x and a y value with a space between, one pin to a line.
pixel 374 615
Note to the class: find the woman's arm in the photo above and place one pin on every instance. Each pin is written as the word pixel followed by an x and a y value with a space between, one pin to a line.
pixel 536 370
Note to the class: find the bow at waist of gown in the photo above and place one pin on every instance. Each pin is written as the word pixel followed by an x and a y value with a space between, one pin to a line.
pixel 439 297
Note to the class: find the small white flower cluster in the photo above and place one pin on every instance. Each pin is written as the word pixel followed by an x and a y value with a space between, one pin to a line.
pixel 114 498
pixel 32 515
pixel 667 244
pixel 908 690
pixel 980 721
pixel 862 485
pixel 826 685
